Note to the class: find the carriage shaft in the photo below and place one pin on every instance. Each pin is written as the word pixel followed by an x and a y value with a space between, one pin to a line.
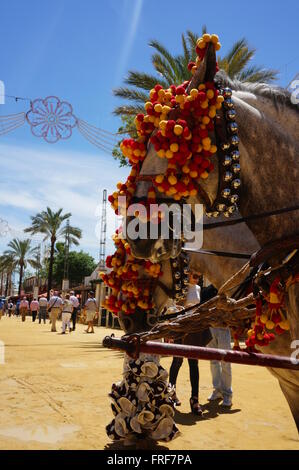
pixel 196 352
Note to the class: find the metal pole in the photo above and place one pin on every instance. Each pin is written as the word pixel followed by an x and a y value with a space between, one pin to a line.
pixel 208 354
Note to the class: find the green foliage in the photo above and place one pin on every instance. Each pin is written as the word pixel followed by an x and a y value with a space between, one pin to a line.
pixel 81 264
pixel 172 69
pixel 127 129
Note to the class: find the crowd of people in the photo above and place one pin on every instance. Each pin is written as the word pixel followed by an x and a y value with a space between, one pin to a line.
pixel 65 306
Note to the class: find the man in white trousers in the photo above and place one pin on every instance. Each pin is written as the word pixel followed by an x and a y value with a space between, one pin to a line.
pixel 221 371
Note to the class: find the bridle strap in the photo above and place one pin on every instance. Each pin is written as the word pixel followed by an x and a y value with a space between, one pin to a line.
pixel 249 218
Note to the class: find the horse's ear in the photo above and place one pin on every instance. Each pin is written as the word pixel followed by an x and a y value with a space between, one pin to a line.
pixel 207 69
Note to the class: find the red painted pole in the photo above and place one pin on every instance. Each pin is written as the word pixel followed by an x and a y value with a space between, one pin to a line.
pixel 208 354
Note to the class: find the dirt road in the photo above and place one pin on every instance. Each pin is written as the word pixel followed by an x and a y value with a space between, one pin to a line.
pixel 54 390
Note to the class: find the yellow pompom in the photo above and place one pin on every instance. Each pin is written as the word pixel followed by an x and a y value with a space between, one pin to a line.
pixel 205 119
pixel 204 175
pixel 214 38
pixel 264 318
pixel 158 108
pixel 217 46
pixel 174 147
pixel 161 153
pixel 186 169
pixel 178 130
pixel 163 124
pixel 206 141
pixel 270 325
pixel 210 94
pixel 159 179
pixel 194 93
pixel 172 180
pixel 193 192
pixel 169 154
pixel 202 86
pixel 148 105
pixel 284 325
pixel 172 191
pixel 206 37
pixel 193 174
pixel 166 109
pixel 213 149
pixel 200 43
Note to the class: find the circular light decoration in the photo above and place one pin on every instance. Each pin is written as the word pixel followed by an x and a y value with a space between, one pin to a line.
pixel 51 119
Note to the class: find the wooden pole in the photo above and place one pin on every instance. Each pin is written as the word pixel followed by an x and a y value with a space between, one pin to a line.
pixel 208 354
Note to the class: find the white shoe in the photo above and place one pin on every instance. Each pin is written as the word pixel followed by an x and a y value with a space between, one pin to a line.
pixel 215 395
pixel 227 401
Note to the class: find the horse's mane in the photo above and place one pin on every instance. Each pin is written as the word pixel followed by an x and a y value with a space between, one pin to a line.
pixel 279 95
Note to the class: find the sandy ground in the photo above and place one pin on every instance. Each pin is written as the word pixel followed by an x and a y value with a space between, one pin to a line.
pixel 54 390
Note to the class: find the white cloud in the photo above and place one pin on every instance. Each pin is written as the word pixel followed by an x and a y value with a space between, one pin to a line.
pixel 32 179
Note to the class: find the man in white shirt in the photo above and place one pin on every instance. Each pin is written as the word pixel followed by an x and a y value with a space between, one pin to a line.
pixel 67 309
pixel 75 302
pixel 54 307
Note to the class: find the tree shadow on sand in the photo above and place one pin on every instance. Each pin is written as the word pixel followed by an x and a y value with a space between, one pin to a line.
pixel 210 410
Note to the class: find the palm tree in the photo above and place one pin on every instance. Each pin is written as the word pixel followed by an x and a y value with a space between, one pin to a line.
pixel 21 253
pixel 172 69
pixel 50 223
pixel 7 267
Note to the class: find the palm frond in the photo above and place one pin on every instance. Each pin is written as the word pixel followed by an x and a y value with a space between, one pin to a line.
pixel 128 110
pixel 166 54
pixel 163 68
pixel 144 81
pixel 131 94
pixel 255 74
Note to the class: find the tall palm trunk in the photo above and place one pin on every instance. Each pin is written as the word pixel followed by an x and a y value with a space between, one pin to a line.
pixel 50 273
pixel 6 284
pixel 2 282
pixel 21 277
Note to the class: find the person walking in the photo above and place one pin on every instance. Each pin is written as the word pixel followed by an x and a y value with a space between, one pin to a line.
pixel 42 311
pixel 193 297
pixel 24 308
pixel 34 307
pixel 9 308
pixel 67 310
pixel 91 310
pixel 75 302
pixel 221 371
pixel 18 307
pixel 54 308
pixel 2 304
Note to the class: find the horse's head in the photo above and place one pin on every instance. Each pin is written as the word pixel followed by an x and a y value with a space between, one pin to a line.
pixel 159 248
pixel 171 284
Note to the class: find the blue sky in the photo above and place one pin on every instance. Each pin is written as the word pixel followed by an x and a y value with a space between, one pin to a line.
pixel 80 51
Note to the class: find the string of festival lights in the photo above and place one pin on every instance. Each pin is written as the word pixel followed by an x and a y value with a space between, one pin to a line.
pixel 53 119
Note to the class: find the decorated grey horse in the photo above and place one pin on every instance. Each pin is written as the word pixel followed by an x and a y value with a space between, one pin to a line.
pixel 268 130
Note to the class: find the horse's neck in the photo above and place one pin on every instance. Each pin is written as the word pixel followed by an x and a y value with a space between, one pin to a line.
pixel 269 164
pixel 217 269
